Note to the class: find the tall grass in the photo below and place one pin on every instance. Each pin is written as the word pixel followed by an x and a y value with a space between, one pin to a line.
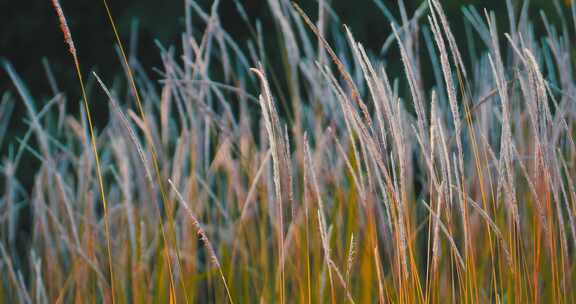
pixel 326 180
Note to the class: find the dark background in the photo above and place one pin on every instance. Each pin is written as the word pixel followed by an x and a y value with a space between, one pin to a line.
pixel 29 31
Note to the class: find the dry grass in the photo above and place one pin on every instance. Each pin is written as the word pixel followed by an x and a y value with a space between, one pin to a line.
pixel 338 183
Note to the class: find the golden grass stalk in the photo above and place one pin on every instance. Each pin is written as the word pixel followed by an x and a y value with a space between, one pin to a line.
pixel 72 49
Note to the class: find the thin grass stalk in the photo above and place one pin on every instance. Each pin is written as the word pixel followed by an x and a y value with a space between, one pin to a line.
pixel 72 49
pixel 204 237
pixel 154 155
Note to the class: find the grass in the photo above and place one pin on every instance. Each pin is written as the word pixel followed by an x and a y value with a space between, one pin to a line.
pixel 326 180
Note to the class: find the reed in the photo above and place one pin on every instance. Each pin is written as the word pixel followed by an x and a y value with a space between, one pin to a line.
pixel 327 177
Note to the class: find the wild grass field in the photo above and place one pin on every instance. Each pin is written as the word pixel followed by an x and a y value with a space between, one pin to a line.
pixel 313 175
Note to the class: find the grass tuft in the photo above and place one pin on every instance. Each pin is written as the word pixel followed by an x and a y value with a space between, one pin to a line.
pixel 311 173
